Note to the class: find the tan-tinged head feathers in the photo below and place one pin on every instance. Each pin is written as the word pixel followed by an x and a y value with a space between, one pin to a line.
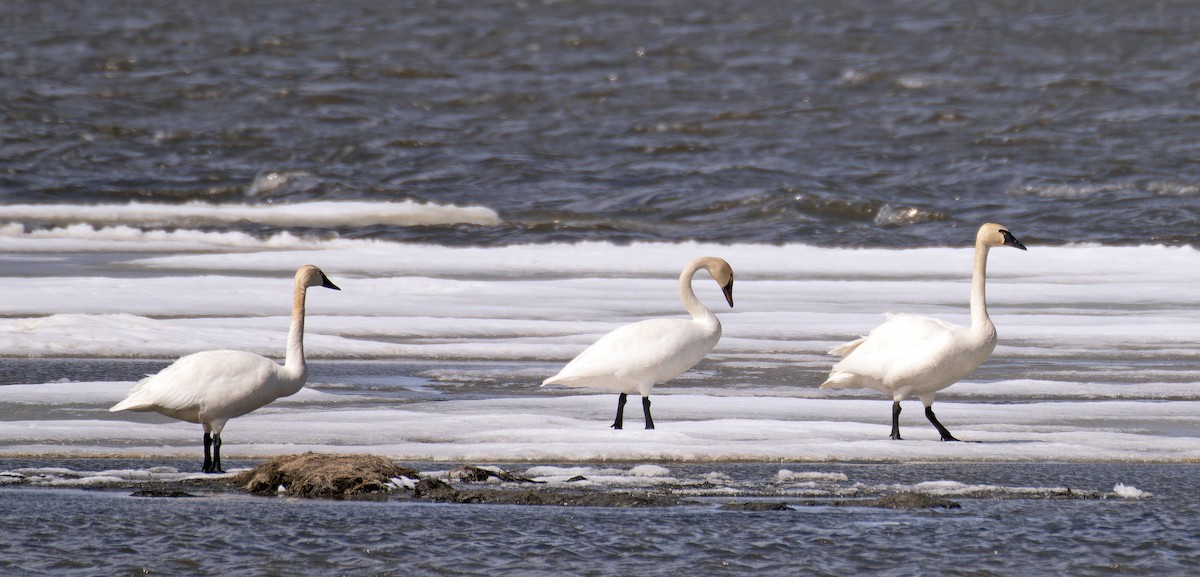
pixel 721 272
pixel 309 276
pixel 992 234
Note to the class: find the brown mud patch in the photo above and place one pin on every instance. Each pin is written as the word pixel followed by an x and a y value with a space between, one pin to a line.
pixel 323 476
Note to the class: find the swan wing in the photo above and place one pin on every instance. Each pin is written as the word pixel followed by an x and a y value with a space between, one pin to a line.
pixel 641 354
pixel 902 347
pixel 202 381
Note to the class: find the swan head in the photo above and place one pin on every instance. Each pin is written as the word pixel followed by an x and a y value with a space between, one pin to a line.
pixel 309 276
pixel 992 234
pixel 723 274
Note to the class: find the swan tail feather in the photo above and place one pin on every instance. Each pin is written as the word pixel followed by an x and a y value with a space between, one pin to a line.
pixel 845 349
pixel 840 380
pixel 567 381
pixel 133 401
pixel 129 405
pixel 571 381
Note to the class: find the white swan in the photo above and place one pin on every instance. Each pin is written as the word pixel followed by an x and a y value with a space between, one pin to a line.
pixel 214 386
pixel 634 358
pixel 909 355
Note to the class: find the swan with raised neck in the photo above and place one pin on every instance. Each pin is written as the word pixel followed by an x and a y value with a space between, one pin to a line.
pixel 910 355
pixel 212 387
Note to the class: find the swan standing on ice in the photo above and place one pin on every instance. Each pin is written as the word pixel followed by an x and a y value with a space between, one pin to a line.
pixel 634 358
pixel 909 355
pixel 214 386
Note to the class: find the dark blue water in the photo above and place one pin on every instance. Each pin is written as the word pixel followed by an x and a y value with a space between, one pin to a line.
pixel 851 123
pixel 999 535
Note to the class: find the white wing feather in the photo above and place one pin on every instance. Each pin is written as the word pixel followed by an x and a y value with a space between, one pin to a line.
pixel 224 383
pixel 908 351
pixel 635 357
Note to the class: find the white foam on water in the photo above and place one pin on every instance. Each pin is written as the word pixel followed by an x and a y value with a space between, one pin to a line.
pixel 1129 492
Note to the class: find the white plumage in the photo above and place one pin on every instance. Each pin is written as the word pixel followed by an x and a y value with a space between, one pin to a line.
pixel 212 387
pixel 914 356
pixel 634 358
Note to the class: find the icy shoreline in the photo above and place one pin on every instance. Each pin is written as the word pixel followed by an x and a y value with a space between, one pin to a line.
pixel 609 485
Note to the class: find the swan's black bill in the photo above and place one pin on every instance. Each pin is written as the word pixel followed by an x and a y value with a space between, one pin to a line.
pixel 728 290
pixel 325 282
pixel 1010 240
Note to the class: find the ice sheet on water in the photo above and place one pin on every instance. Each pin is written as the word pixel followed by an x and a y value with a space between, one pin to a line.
pixel 649 471
pixel 413 301
pixel 958 489
pixel 574 429
pixel 1119 319
pixel 692 481
pixel 109 393
pixel 198 214
pixel 788 476
pixel 66 477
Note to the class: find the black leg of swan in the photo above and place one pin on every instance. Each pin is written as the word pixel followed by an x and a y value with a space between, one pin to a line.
pixel 213 454
pixel 212 464
pixel 896 421
pixel 646 409
pixel 216 442
pixel 946 436
pixel 618 424
pixel 208 467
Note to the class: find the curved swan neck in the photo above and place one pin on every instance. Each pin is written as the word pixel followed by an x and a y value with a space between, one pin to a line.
pixel 295 342
pixel 688 296
pixel 979 315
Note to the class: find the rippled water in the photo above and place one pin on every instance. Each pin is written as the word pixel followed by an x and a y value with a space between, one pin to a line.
pixel 1003 534
pixel 836 123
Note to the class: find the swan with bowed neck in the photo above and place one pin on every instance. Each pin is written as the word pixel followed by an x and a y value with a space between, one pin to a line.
pixel 212 387
pixel 915 356
pixel 634 358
